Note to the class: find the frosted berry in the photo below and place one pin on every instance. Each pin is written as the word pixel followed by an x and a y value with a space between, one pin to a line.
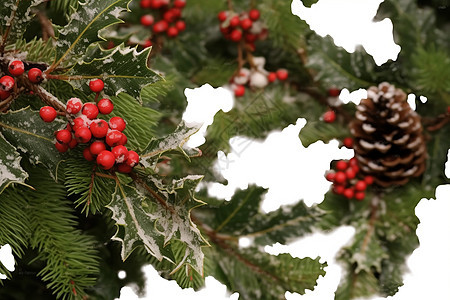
pixel 160 26
pixel 99 128
pixel 96 85
pixel 117 123
pixel 47 113
pixel 234 21
pixel 87 154
pixel 329 116
pixel 239 91
pixel 222 16
pixel 120 153
pixel 7 83
pixel 124 168
pixel 272 76
pixel 123 140
pixel 83 134
pixel 341 165
pixel 133 158
pixel 106 159
pixel 180 25
pixel 16 68
pixel 147 20
pixel 360 196
pixel 254 14
pixel 236 35
pixel 113 138
pixel 179 3
pixel 90 110
pixel 74 106
pixel 361 185
pixel 78 123
pixel 96 147
pixel 340 177
pixel 349 193
pixel 4 94
pixel 61 147
pixel 348 142
pixel 282 74
pixel 330 176
pixel 35 75
pixel 64 136
pixel 172 32
pixel 105 106
pixel 334 92
pixel 246 24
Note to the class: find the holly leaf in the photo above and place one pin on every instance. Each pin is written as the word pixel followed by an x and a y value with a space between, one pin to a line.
pixel 123 69
pixel 83 28
pixel 16 15
pixel 157 215
pixel 10 169
pixel 314 131
pixel 25 130
pixel 172 142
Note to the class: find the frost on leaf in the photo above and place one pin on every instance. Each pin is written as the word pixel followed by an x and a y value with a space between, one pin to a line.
pixel 10 169
pixel 158 215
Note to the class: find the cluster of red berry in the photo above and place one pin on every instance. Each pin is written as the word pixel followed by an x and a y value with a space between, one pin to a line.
pixel 106 140
pixel 167 18
pixel 16 68
pixel 345 182
pixel 244 26
pixel 255 78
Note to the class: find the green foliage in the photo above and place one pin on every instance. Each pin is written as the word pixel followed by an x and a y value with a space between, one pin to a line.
pixel 11 171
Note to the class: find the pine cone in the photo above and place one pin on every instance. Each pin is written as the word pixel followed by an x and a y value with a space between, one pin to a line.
pixel 388 140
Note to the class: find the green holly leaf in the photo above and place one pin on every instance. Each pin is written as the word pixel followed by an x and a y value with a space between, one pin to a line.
pixel 25 130
pixel 123 69
pixel 314 131
pixel 16 15
pixel 82 30
pixel 10 169
pixel 156 215
pixel 172 142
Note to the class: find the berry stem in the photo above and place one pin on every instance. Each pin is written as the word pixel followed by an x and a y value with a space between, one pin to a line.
pixel 230 4
pixel 45 96
pixel 96 97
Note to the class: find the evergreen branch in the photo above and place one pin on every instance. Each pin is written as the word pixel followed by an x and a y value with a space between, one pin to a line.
pixel 8 28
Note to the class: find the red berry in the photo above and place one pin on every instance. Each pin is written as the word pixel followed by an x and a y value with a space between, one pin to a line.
pixel 99 128
pixel 338 189
pixel 250 37
pixel 360 196
pixel 239 91
pixel 349 193
pixel 87 154
pixel 96 147
pixel 113 138
pixel 172 32
pixel 330 176
pixel 117 123
pixel 176 12
pixel 350 173
pixel 341 165
pixel 145 3
pixel 348 142
pixel 282 74
pixel 90 110
pixel 234 21
pixel 254 14
pixel 61 147
pixel 246 24
pixel 96 85
pixel 4 94
pixel 106 159
pixel 16 68
pixel 123 140
pixel 180 25
pixel 73 143
pixel 83 135
pixel 369 179
pixel 236 35
pixel 222 16
pixel 169 16
pixel 361 185
pixel 340 177
pixel 78 123
pixel 133 158
pixel 47 113
pixel 120 153
pixel 124 168
pixel 355 168
pixel 6 83
pixel 334 92
pixel 272 76
pixel 63 136
pixel 160 26
pixel 179 3
pixel 147 20
pixel 329 116
pixel 353 162
pixel 74 106
pixel 157 4
pixel 147 43
pixel 35 75
pixel 105 106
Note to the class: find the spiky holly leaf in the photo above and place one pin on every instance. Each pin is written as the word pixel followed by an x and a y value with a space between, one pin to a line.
pixel 10 169
pixel 156 215
pixel 172 142
pixel 316 130
pixel 82 30
pixel 123 69
pixel 258 275
pixel 25 130
pixel 15 17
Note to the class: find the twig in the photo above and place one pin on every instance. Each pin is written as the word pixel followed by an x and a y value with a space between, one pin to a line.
pixel 45 96
pixel 47 27
pixel 230 4
pixel 8 28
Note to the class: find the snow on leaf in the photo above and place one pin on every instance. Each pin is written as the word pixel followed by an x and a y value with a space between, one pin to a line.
pixel 10 169
pixel 156 215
